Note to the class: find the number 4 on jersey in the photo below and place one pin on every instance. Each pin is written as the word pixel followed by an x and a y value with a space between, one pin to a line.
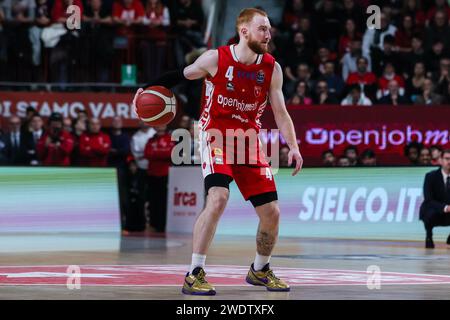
pixel 229 73
pixel 268 174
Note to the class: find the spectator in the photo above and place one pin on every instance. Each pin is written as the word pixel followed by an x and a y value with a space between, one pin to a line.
pixel 438 30
pixel 350 34
pixel 368 158
pixel 33 137
pixel 404 34
pixel 79 127
pixel 137 145
pixel 356 97
pixel 3 159
pixel 66 54
pixel 328 23
pixel 304 74
pixel 293 12
pixel 417 54
pixel 389 54
pixel 351 153
pixel 120 145
pixel 55 145
pixel 343 162
pixel 447 95
pixel 442 78
pixel 188 20
pixel 349 60
pixel 284 158
pixel 299 53
pixel 323 56
pixel 309 32
pixel 328 158
pixel 82 115
pixel 414 84
pixel 29 114
pixel 94 146
pixel 133 211
pixel 429 96
pixel 153 48
pixel 42 19
pixel 97 21
pixel 323 94
pixel 3 46
pixel 158 153
pixel 126 14
pixel 367 80
pixel 67 124
pixel 335 83
pixel 440 5
pixel 394 97
pixel 301 95
pixel 18 16
pixel 185 122
pixel 435 209
pixel 374 38
pixel 353 11
pixel 389 75
pixel 434 56
pixel 412 151
pixel 425 157
pixel 436 152
pixel 414 8
pixel 15 143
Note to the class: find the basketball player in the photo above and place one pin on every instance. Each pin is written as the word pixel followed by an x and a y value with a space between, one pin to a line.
pixel 239 81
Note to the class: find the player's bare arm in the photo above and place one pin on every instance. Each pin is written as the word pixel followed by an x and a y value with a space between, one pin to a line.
pixel 283 119
pixel 205 65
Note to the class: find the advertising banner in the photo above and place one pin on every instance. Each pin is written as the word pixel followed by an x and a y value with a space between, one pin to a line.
pixel 104 106
pixel 341 203
pixel 56 200
pixel 185 198
pixel 384 129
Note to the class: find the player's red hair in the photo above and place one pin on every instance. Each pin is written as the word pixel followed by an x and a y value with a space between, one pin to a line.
pixel 247 15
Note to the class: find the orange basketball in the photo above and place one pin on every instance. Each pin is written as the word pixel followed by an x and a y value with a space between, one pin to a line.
pixel 156 106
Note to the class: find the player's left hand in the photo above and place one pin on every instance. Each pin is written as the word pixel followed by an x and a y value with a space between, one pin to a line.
pixel 294 154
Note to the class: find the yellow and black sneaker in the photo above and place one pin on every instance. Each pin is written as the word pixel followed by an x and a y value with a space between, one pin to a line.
pixel 265 277
pixel 196 284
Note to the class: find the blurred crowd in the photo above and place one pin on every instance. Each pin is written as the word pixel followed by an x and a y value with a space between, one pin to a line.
pixel 416 153
pixel 37 42
pixel 334 58
pixel 328 53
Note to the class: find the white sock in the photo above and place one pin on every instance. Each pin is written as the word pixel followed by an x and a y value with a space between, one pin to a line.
pixel 260 262
pixel 198 260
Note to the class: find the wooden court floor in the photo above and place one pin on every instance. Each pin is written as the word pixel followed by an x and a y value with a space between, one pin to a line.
pixel 35 266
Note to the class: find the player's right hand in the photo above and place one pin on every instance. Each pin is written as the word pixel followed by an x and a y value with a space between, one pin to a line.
pixel 294 155
pixel 140 90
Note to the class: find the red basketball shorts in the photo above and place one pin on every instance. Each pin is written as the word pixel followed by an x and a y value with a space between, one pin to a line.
pixel 251 178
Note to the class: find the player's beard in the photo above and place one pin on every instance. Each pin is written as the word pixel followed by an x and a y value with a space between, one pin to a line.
pixel 256 46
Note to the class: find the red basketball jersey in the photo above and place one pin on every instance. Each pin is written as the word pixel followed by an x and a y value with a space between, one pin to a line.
pixel 237 95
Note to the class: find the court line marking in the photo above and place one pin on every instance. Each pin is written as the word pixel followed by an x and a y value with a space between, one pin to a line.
pixel 219 265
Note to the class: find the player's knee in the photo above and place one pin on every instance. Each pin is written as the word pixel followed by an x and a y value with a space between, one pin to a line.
pixel 271 212
pixel 218 200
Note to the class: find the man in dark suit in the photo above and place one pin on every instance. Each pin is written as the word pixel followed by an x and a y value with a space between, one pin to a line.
pixel 31 138
pixel 394 98
pixel 435 209
pixel 15 149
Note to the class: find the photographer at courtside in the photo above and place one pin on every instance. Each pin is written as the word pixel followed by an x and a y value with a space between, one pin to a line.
pixel 56 145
